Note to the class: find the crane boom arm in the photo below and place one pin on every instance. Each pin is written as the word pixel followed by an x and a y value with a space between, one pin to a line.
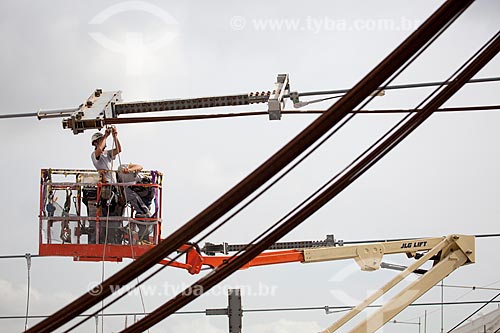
pixel 451 253
pixel 447 253
pixel 368 255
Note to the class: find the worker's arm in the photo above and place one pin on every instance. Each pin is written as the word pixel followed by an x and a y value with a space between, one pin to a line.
pixel 132 168
pixel 118 148
pixel 102 144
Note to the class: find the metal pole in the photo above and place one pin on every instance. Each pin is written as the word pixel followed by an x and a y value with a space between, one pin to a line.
pixel 425 321
pixel 234 311
pixel 442 306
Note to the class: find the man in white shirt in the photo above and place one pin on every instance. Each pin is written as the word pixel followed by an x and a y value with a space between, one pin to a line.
pixel 129 174
pixel 102 158
pixel 110 204
pixel 139 197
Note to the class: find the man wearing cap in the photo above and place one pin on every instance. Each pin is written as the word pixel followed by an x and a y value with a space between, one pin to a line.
pixel 102 158
pixel 110 196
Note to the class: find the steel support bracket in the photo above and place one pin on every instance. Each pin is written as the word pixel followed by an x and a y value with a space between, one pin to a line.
pixel 276 102
pixel 91 114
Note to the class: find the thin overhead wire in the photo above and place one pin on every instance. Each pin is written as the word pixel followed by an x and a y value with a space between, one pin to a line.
pixel 473 313
pixel 276 180
pixel 331 134
pixel 326 138
pixel 98 314
pixel 232 265
pixel 220 224
pixel 326 308
pixel 23 256
pixel 19 256
pixel 422 103
pixel 66 112
pixel 481 60
pixel 470 287
pixel 28 286
pixel 241 191
pixel 286 172
pixel 456 300
pixel 396 87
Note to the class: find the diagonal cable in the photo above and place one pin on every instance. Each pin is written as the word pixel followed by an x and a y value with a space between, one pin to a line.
pixel 227 269
pixel 264 172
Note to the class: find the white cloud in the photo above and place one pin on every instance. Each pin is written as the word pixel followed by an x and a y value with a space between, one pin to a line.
pixel 14 296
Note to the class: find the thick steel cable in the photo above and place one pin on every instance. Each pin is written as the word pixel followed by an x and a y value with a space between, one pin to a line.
pixel 422 115
pixel 364 104
pixel 266 171
pixel 139 283
pixel 219 225
pixel 326 138
pixel 290 169
pixel 329 135
pixel 496 51
pixel 223 271
pixel 345 120
pixel 135 120
pixel 184 252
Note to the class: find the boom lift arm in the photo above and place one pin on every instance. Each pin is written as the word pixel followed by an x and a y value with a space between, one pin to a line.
pixel 447 253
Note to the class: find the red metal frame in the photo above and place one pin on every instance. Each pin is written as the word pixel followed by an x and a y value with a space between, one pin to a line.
pixel 116 252
pixel 79 250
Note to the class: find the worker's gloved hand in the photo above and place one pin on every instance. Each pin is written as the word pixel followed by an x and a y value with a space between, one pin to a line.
pixel 114 131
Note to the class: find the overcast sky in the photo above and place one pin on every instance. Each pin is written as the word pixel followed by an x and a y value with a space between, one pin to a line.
pixel 443 179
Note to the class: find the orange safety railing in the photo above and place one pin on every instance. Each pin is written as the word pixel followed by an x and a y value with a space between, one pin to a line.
pixel 75 217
